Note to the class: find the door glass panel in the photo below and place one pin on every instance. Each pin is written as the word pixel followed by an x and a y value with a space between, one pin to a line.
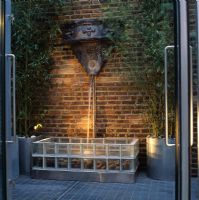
pixel 144 42
pixel 2 132
pixel 157 47
pixel 193 41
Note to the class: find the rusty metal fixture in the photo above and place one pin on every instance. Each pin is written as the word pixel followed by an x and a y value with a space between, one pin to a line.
pixel 88 40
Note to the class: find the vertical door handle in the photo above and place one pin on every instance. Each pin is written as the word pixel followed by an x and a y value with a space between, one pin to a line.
pixel 191 96
pixel 166 93
pixel 12 56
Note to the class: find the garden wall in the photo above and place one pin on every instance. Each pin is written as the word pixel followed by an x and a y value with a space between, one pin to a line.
pixel 120 105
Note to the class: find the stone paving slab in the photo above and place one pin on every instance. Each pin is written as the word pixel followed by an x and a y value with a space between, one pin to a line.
pixel 30 189
pixel 144 189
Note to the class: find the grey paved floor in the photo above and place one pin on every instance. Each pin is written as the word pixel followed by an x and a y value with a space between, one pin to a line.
pixel 143 189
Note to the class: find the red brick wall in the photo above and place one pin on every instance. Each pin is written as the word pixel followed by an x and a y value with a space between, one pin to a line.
pixel 120 105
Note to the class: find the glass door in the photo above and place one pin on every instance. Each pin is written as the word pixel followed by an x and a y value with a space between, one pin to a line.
pixel 193 28
pixel 183 55
pixel 187 91
pixel 3 192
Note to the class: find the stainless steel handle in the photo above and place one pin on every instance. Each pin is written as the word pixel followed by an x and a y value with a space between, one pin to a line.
pixel 191 96
pixel 166 94
pixel 13 94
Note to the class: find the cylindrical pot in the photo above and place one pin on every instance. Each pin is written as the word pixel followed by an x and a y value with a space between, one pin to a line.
pixel 160 159
pixel 13 159
pixel 25 154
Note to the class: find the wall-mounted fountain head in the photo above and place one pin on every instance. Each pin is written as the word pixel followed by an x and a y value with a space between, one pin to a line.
pixel 87 38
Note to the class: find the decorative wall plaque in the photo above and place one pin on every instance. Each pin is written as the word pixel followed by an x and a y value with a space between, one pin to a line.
pixel 87 38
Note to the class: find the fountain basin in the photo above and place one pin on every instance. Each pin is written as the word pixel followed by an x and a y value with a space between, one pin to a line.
pixel 95 159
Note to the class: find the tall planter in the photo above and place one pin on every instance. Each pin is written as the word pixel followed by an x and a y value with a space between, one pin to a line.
pixel 160 159
pixel 25 154
pixel 12 149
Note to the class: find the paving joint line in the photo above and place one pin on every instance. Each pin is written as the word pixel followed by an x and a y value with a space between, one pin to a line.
pixel 68 190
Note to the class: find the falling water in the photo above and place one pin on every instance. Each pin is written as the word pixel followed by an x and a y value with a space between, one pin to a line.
pixel 91 97
pixel 89 107
pixel 94 105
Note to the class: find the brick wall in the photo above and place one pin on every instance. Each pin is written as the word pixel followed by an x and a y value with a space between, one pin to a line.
pixel 120 105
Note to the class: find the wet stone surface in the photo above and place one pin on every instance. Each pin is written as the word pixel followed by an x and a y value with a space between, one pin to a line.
pixel 144 189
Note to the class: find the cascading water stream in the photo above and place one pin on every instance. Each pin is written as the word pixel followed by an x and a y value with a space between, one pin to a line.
pixel 88 39
pixel 94 105
pixel 91 97
pixel 89 108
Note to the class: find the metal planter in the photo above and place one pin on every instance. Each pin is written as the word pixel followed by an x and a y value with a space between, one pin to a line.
pixel 13 159
pixel 25 154
pixel 160 159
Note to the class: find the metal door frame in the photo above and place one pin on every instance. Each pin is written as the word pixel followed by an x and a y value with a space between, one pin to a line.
pixel 2 93
pixel 182 112
pixel 182 101
pixel 197 11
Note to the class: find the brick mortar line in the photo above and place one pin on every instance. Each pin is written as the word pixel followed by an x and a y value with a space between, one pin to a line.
pixel 67 190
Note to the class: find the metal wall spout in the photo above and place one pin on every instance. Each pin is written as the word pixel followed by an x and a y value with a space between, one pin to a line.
pixel 88 40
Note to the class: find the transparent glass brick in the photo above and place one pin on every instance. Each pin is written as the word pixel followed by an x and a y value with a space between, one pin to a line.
pixel 132 151
pixel 62 149
pixel 85 140
pixel 75 140
pixel 88 164
pixel 100 150
pixel 50 162
pixel 126 150
pixel 129 164
pixel 98 140
pixel 121 141
pixel 109 141
pixel 87 149
pixel 75 163
pixel 37 148
pixel 64 140
pixel 62 163
pixel 100 164
pixel 75 149
pixel 114 150
pixel 130 140
pixel 114 164
pixel 49 148
pixel 136 148
pixel 37 162
pixel 55 140
pixel 126 164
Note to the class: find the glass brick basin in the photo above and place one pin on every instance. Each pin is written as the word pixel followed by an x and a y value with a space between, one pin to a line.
pixel 101 155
